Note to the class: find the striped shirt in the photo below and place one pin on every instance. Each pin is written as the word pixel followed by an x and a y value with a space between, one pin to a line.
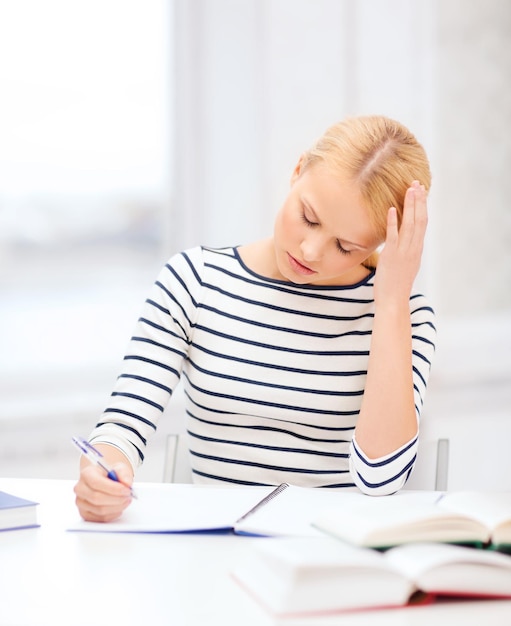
pixel 273 375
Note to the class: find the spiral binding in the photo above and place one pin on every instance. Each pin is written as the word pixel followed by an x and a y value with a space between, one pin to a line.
pixel 264 501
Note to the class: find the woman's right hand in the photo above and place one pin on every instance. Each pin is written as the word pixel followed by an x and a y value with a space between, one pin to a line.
pixel 99 498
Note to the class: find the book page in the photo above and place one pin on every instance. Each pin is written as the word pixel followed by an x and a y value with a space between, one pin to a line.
pixel 453 570
pixel 493 509
pixel 403 518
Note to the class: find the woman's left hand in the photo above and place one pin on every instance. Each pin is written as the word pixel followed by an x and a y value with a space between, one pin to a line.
pixel 400 259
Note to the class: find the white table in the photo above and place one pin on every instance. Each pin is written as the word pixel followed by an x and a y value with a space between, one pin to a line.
pixel 50 577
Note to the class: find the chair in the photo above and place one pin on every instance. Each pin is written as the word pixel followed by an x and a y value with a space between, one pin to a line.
pixel 176 467
pixel 442 465
pixel 430 472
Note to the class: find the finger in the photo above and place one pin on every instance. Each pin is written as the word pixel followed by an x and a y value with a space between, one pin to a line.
pixel 98 490
pixel 416 201
pixel 96 479
pixel 95 505
pixel 421 210
pixel 409 207
pixel 415 216
pixel 99 514
pixel 392 236
pixel 124 473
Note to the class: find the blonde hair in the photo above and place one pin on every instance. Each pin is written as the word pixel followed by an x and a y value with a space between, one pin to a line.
pixel 379 154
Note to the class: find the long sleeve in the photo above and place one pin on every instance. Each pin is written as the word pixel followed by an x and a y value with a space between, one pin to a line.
pixel 154 359
pixel 387 474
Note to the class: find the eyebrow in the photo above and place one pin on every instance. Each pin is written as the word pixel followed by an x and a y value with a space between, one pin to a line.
pixel 341 239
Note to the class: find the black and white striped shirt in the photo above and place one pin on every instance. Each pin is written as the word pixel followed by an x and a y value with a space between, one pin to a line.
pixel 273 373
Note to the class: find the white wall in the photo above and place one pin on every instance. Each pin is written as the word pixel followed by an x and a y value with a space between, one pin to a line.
pixel 472 117
pixel 258 81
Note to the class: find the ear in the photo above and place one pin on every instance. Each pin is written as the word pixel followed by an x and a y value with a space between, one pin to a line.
pixel 298 169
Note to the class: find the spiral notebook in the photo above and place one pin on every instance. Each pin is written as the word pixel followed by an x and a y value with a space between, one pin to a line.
pixel 179 508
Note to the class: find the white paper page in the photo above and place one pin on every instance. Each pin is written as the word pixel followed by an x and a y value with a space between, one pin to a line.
pixel 453 569
pixel 490 508
pixel 380 521
pixel 415 559
pixel 293 512
pixel 180 508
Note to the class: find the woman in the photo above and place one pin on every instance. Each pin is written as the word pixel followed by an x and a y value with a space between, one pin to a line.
pixel 301 362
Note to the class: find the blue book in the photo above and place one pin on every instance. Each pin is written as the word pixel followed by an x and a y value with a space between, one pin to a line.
pixel 17 512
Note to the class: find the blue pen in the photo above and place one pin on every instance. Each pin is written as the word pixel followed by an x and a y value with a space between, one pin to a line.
pixel 95 456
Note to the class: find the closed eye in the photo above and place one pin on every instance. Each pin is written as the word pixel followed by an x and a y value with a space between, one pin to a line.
pixel 311 224
pixel 341 249
pixel 308 222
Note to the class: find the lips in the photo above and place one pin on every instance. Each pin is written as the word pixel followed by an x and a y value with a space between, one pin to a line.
pixel 298 267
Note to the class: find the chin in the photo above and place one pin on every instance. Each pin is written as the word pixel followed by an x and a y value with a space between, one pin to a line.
pixel 297 279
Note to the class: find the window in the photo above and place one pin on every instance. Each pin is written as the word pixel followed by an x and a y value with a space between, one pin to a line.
pixel 84 162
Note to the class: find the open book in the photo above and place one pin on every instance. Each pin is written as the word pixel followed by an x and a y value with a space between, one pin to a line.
pixel 319 575
pixel 482 518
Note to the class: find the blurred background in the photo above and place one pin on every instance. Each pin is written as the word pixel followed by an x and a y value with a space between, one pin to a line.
pixel 132 129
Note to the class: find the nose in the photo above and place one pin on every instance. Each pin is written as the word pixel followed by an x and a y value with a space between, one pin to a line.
pixel 312 247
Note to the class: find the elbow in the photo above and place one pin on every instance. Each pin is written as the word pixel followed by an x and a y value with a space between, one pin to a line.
pixel 383 488
pixel 383 476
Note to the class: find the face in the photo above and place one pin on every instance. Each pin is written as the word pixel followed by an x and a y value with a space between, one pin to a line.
pixel 323 233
